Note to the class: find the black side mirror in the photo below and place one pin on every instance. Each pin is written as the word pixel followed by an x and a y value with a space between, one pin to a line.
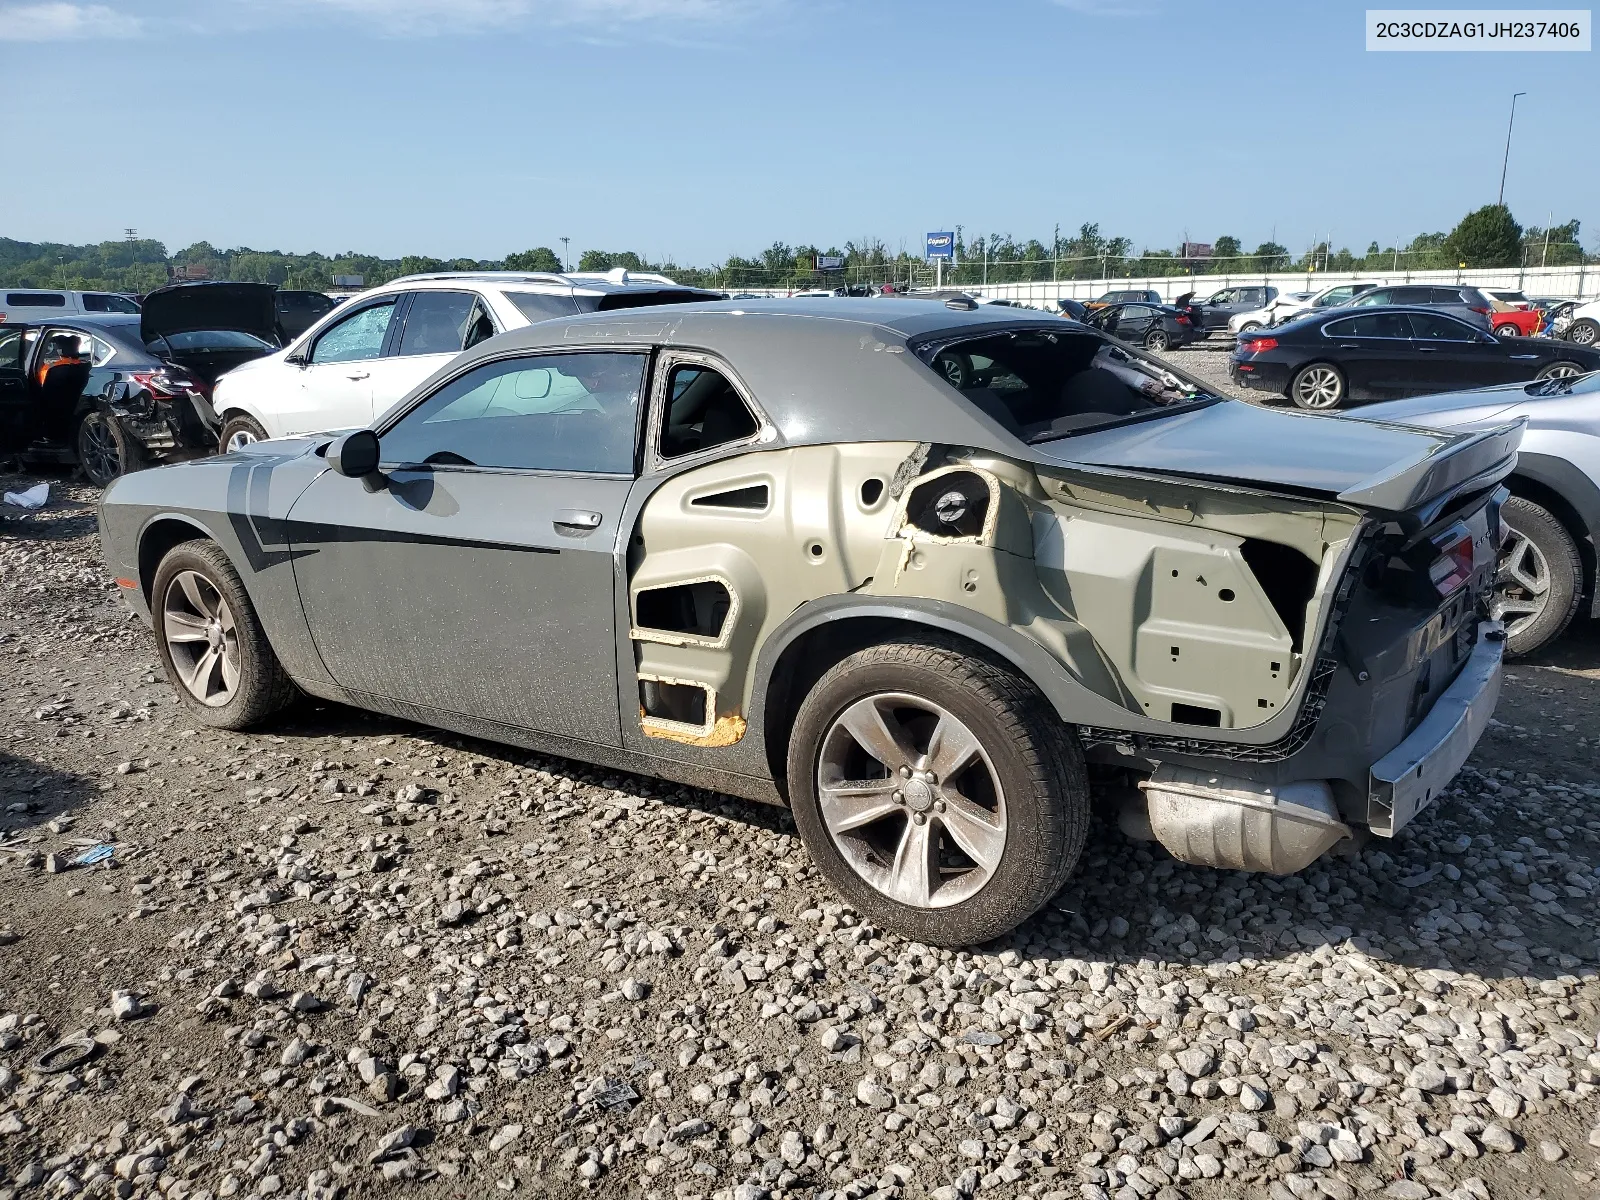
pixel 355 456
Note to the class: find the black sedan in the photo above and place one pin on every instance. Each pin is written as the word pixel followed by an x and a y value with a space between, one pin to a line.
pixel 1323 361
pixel 1153 326
pixel 113 392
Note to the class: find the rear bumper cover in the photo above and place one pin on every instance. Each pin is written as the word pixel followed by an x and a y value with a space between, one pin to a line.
pixel 1412 775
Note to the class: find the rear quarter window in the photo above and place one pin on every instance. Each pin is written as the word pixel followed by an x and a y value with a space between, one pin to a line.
pixel 36 300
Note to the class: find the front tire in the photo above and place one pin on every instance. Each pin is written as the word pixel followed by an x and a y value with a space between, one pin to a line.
pixel 213 648
pixel 1157 340
pixel 1249 327
pixel 1584 332
pixel 937 791
pixel 1538 583
pixel 1559 370
pixel 106 450
pixel 238 431
pixel 1319 387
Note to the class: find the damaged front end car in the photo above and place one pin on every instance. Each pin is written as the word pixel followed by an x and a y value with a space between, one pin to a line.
pixel 920 572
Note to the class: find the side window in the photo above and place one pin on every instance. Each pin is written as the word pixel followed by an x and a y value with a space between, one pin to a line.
pixel 547 412
pixel 11 349
pixel 1436 327
pixel 437 323
pixel 703 410
pixel 1227 296
pixel 102 352
pixel 1376 296
pixel 36 299
pixel 102 302
pixel 541 306
pixel 359 336
pixel 1446 295
pixel 1411 295
pixel 1371 325
pixel 1136 312
pixel 480 326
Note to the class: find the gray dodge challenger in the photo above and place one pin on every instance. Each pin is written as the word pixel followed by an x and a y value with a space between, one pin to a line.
pixel 921 571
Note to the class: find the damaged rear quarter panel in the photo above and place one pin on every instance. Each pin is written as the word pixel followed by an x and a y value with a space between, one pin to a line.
pixel 1138 590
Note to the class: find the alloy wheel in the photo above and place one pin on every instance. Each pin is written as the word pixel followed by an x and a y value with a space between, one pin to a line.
pixel 1562 370
pixel 1319 387
pixel 1521 583
pixel 239 439
pixel 911 800
pixel 201 636
pixel 1584 333
pixel 97 450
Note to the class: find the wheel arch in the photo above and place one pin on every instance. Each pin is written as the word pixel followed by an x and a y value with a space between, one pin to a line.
pixel 1570 496
pixel 157 539
pixel 820 634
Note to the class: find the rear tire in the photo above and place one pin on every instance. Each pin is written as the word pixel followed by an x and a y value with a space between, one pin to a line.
pixel 106 450
pixel 239 431
pixel 1507 331
pixel 1249 327
pixel 199 606
pixel 1584 332
pixel 1319 387
pixel 1022 768
pixel 1157 340
pixel 1540 578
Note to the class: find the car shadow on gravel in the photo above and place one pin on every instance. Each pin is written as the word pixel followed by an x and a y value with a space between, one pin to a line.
pixel 1131 903
pixel 32 795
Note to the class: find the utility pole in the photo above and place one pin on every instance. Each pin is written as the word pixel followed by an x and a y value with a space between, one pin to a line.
pixel 566 264
pixel 1506 161
pixel 1546 253
pixel 1055 253
pixel 130 233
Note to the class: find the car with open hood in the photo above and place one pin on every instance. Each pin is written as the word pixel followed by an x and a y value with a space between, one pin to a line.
pixel 114 392
pixel 918 571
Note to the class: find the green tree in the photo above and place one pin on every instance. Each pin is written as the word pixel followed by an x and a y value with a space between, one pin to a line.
pixel 540 258
pixel 1227 246
pixel 1488 237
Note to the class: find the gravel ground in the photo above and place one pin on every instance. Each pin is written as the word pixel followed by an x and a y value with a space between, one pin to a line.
pixel 345 955
pixel 1207 361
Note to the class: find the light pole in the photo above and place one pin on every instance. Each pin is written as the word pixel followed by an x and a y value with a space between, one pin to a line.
pixel 1506 161
pixel 564 263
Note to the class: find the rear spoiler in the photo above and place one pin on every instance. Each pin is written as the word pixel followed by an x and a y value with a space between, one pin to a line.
pixel 1426 486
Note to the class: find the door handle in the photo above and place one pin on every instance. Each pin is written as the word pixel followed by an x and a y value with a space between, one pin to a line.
pixel 1524 357
pixel 576 518
pixel 1349 346
pixel 1427 349
pixel 360 375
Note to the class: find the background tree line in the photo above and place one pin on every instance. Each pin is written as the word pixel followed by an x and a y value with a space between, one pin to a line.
pixel 1488 237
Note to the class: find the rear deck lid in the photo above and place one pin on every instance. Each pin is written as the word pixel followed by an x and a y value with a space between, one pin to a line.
pixel 1369 464
pixel 193 307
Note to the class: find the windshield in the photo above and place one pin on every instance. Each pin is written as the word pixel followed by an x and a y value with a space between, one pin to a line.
pixel 212 339
pixel 1041 384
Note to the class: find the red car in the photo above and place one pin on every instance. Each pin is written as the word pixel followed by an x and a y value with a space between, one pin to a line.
pixel 1514 315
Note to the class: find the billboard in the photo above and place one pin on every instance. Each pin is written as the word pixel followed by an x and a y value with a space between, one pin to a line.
pixel 349 281
pixel 830 262
pixel 1195 250
pixel 941 245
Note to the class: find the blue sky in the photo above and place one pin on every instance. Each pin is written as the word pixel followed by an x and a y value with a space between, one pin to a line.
pixel 700 128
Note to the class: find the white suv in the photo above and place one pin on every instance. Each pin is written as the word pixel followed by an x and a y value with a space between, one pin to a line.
pixel 369 352
pixel 1296 304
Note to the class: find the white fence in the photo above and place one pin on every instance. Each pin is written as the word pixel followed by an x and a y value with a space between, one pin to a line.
pixel 1577 282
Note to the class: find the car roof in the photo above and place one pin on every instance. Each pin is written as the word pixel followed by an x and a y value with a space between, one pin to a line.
pixel 89 322
pixel 590 283
pixel 808 366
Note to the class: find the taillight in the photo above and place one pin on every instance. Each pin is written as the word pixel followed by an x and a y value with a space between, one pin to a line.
pixel 1453 568
pixel 165 384
pixel 1181 319
pixel 1258 345
pixel 1483 311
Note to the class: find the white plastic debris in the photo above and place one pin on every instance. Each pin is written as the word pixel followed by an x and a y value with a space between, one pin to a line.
pixel 34 497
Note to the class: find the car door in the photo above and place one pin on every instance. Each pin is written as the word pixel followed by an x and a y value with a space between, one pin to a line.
pixel 14 402
pixel 1219 307
pixel 431 328
pixel 478 578
pixel 1374 351
pixel 1134 321
pixel 1455 355
pixel 335 379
